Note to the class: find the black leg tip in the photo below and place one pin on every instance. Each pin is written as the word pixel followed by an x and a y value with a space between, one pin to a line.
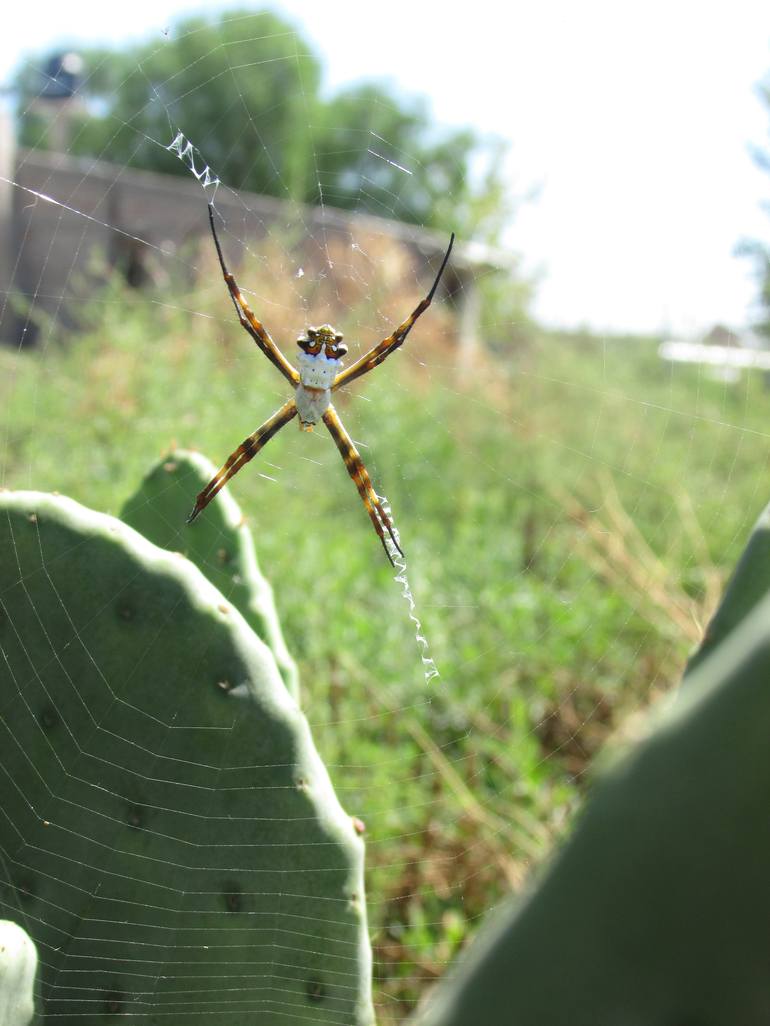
pixel 395 542
pixel 388 553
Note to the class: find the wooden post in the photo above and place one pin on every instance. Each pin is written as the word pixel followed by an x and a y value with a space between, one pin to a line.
pixel 468 301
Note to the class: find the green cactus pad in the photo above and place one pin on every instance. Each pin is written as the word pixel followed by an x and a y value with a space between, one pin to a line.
pixel 170 838
pixel 219 543
pixel 18 965
pixel 748 584
pixel 658 908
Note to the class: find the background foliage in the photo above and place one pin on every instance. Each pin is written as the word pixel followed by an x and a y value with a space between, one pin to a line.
pixel 247 87
pixel 561 570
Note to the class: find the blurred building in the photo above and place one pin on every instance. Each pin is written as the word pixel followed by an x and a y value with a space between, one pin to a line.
pixel 64 214
pixel 58 103
pixel 721 351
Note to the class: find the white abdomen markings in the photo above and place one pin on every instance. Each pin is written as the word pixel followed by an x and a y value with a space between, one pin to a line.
pixel 316 375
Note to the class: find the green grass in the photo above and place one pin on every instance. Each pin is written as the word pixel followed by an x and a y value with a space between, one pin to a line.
pixel 547 636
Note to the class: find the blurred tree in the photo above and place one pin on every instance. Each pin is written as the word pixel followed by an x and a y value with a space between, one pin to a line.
pixel 239 86
pixel 378 152
pixel 244 88
pixel 760 251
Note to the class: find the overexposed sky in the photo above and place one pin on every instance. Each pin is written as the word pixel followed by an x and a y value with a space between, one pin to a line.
pixel 633 122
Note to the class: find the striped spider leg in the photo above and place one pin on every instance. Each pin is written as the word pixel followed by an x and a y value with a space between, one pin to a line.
pixel 388 345
pixel 358 472
pixel 320 360
pixel 246 451
pixel 248 321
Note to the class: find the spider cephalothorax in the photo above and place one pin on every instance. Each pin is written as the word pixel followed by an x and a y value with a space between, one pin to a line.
pixel 326 339
pixel 320 373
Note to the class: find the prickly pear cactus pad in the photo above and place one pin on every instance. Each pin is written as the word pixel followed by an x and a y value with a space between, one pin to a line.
pixel 657 910
pixel 748 585
pixel 220 544
pixel 169 836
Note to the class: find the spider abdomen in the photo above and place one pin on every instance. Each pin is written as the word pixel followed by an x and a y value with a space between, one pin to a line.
pixel 316 376
pixel 312 404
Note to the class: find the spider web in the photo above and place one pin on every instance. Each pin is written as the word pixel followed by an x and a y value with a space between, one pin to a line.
pixel 211 183
pixel 569 504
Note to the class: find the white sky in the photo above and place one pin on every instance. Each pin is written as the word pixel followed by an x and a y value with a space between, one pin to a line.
pixel 634 120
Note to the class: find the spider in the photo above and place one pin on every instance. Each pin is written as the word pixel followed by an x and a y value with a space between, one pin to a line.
pixel 320 373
